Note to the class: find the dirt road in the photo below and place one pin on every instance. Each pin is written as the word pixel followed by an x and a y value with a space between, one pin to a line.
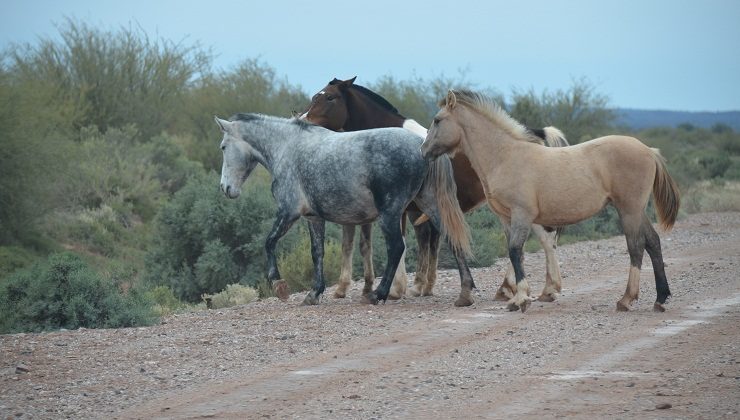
pixel 420 357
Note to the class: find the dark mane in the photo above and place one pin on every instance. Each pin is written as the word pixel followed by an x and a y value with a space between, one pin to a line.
pixel 249 116
pixel 302 124
pixel 378 99
pixel 372 95
pixel 245 117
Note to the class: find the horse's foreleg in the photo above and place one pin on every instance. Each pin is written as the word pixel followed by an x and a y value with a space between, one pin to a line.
pixel 345 275
pixel 281 226
pixel 395 247
pixel 366 250
pixel 507 290
pixel 631 224
pixel 652 245
pixel 316 229
pixel 518 233
pixel 553 281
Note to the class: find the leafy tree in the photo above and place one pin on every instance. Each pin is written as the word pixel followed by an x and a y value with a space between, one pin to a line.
pixel 110 79
pixel 579 112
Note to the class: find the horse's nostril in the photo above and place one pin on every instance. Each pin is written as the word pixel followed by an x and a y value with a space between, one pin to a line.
pixel 228 188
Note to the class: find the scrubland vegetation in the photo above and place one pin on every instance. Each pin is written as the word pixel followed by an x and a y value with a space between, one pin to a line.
pixel 110 213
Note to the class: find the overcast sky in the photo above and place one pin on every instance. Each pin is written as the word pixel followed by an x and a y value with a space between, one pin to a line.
pixel 649 54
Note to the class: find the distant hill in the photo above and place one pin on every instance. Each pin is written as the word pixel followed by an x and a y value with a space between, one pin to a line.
pixel 640 118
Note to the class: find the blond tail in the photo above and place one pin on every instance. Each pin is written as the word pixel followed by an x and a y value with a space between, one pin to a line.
pixel 453 221
pixel 554 137
pixel 665 194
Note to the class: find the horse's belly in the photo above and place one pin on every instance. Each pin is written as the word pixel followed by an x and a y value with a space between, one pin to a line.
pixel 569 212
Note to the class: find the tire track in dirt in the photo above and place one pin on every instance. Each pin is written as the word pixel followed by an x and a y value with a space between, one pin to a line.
pixel 272 391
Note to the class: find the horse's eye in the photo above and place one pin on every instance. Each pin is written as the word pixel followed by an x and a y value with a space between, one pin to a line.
pixel 435 121
pixel 330 97
pixel 223 148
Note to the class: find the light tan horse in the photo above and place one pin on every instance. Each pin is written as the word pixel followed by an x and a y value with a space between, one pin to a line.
pixel 525 183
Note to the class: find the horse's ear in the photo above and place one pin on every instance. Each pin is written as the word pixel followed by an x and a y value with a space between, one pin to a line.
pixel 222 124
pixel 451 101
pixel 344 84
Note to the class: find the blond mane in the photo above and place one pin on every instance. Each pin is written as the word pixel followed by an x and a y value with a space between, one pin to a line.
pixel 493 112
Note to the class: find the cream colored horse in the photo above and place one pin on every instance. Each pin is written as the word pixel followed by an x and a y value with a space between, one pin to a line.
pixel 525 184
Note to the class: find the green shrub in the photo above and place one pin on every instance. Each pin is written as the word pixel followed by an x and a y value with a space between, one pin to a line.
pixel 163 300
pixel 296 266
pixel 63 292
pixel 13 258
pixel 232 295
pixel 709 196
pixel 204 241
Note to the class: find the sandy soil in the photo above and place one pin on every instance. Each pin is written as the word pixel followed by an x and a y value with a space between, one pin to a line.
pixel 420 357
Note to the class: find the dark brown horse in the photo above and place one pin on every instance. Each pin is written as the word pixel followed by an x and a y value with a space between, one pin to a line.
pixel 344 106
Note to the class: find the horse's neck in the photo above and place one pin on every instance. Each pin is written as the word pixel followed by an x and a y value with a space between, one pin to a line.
pixel 267 140
pixel 486 144
pixel 364 113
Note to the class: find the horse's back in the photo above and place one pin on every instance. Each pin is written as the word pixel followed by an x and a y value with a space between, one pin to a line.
pixel 351 176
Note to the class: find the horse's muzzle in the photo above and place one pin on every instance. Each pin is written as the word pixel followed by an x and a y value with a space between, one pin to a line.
pixel 230 192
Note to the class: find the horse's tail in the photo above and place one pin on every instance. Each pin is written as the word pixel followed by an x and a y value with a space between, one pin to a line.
pixel 554 137
pixel 453 224
pixel 665 193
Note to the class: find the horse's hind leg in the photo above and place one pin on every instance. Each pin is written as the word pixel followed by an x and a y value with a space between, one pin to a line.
pixel 366 250
pixel 552 270
pixel 398 287
pixel 390 224
pixel 431 277
pixel 345 275
pixel 652 245
pixel 633 232
pixel 466 279
pixel 316 229
pixel 423 238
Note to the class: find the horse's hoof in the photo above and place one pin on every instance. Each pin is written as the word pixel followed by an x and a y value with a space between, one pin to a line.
pixel 463 301
pixel 281 289
pixel 621 307
pixel 512 307
pixel 393 296
pixel 658 307
pixel 339 295
pixel 370 298
pixel 525 305
pixel 414 292
pixel 547 298
pixel 311 299
pixel 502 296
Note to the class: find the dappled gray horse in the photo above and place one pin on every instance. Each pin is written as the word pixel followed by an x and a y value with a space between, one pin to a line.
pixel 345 178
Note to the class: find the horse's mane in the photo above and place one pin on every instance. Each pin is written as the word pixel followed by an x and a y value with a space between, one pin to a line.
pixel 375 98
pixel 246 117
pixel 488 108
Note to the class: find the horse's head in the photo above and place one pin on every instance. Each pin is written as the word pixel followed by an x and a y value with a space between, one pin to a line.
pixel 328 107
pixel 239 158
pixel 445 134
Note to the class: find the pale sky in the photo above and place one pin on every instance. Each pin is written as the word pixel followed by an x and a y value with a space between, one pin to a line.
pixel 649 54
